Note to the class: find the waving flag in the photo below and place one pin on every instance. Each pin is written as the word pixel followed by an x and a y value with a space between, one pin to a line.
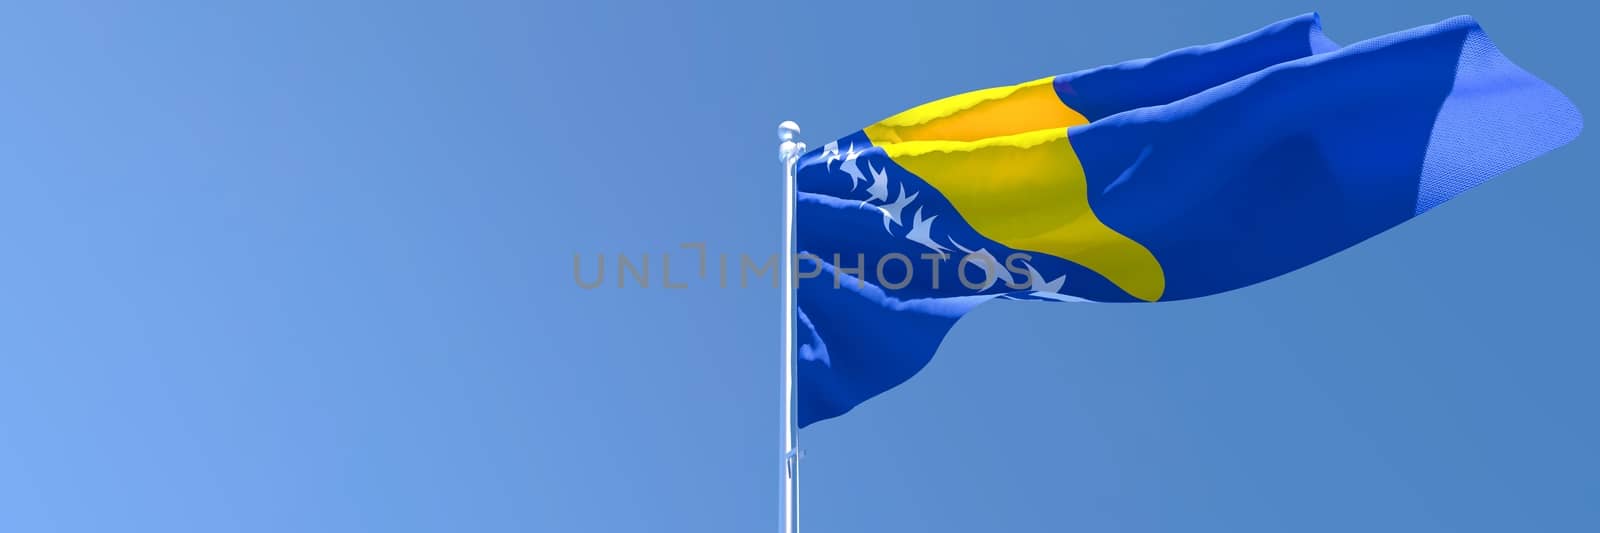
pixel 1193 173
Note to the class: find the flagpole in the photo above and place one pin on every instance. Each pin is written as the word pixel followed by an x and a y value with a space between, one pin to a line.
pixel 789 150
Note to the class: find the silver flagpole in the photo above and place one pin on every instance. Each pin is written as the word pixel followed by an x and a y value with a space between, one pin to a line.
pixel 789 150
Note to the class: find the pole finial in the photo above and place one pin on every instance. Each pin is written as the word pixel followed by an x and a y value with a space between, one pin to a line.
pixel 789 146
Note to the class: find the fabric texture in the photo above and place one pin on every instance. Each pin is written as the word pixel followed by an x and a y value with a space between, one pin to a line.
pixel 1197 172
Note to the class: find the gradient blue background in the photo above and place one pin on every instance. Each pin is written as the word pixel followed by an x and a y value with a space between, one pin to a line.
pixel 308 267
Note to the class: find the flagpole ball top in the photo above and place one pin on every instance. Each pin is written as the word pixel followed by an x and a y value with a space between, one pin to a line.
pixel 788 130
pixel 789 145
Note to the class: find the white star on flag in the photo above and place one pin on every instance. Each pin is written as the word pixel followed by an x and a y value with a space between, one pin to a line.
pixel 891 211
pixel 849 167
pixel 919 233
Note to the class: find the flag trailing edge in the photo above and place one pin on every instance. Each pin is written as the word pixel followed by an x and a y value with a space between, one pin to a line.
pixel 1193 173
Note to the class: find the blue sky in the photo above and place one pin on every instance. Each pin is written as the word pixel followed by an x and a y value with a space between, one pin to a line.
pixel 307 266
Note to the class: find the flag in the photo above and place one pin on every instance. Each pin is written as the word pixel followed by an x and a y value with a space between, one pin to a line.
pixel 1200 171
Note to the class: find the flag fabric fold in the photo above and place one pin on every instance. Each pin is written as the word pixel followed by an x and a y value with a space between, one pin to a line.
pixel 1193 173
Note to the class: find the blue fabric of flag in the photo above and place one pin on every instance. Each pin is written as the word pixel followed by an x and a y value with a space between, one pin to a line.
pixel 1190 174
